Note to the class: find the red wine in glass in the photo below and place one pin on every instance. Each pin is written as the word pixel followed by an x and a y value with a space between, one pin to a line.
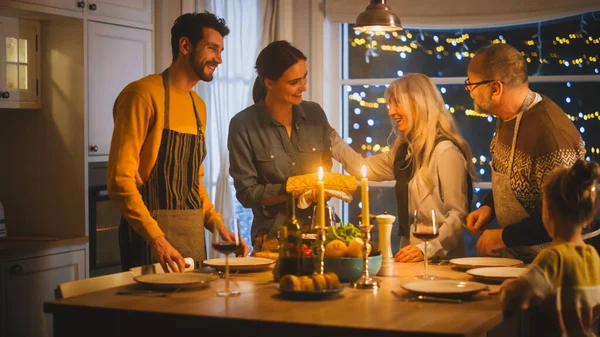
pixel 225 247
pixel 426 236
pixel 425 227
pixel 226 240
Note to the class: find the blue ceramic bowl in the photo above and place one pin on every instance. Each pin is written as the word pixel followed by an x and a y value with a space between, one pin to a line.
pixel 349 269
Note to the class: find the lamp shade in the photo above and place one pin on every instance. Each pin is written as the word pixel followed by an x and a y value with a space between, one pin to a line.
pixel 378 17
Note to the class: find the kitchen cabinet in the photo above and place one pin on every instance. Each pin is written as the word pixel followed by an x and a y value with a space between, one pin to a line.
pixel 131 10
pixel 117 55
pixel 71 5
pixel 29 282
pixel 19 63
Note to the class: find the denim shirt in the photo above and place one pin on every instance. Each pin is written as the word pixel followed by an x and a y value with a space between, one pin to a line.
pixel 262 156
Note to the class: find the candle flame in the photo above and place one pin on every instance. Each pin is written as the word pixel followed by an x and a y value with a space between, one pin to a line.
pixel 320 173
pixel 363 170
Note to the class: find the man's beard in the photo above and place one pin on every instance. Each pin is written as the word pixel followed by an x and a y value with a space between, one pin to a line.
pixel 199 70
pixel 481 109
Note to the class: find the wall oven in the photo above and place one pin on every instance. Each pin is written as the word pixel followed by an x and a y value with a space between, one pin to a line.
pixel 104 218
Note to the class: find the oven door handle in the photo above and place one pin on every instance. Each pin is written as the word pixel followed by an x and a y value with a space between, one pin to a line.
pixel 99 194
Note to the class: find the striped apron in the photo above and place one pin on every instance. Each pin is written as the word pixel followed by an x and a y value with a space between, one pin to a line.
pixel 172 195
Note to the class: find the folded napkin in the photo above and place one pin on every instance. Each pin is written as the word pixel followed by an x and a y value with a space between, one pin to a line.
pixel 307 198
pixel 298 185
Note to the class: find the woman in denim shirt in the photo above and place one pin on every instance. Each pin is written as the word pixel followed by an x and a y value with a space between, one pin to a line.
pixel 279 136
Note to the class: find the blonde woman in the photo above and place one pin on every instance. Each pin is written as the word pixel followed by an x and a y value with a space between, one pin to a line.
pixel 429 160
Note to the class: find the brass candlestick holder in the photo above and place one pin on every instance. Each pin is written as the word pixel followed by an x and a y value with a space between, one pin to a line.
pixel 320 267
pixel 365 281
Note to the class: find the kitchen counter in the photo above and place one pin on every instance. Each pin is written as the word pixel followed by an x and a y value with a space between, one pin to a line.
pixel 17 246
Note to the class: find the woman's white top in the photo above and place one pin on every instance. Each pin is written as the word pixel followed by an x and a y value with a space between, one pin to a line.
pixel 448 175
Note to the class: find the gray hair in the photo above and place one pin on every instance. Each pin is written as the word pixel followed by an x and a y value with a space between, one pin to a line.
pixel 504 63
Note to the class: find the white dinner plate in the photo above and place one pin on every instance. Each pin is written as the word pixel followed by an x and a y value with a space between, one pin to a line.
pixel 175 280
pixel 496 273
pixel 479 262
pixel 448 288
pixel 240 263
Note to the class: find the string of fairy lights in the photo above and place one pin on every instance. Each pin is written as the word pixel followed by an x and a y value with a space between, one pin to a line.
pixel 441 50
pixel 407 42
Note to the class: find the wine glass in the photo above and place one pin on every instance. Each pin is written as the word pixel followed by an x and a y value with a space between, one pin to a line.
pixel 425 226
pixel 226 240
pixel 329 217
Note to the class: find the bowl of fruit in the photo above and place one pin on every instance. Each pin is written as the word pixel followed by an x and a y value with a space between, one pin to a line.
pixel 344 253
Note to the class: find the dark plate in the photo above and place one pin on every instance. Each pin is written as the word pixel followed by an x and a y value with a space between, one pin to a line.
pixel 309 295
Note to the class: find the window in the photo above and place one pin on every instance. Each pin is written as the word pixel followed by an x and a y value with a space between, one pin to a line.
pixel 563 61
pixel 16 63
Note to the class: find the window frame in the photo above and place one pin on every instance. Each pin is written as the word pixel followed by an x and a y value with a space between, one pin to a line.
pixel 335 74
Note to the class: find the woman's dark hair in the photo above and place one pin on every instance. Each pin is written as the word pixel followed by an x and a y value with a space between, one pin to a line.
pixel 571 193
pixel 271 63
pixel 191 25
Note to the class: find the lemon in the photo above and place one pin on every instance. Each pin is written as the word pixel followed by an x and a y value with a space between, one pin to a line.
pixel 355 248
pixel 336 248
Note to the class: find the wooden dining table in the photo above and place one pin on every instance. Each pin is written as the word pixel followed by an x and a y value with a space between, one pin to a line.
pixel 262 311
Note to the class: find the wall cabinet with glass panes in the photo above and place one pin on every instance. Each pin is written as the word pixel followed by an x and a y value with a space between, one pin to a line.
pixel 19 64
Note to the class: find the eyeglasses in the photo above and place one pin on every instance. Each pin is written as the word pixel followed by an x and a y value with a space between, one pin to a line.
pixel 472 85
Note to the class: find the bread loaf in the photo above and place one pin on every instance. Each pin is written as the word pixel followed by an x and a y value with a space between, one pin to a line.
pixel 290 283
pixel 320 282
pixel 315 282
pixel 307 283
pixel 333 282
pixel 331 181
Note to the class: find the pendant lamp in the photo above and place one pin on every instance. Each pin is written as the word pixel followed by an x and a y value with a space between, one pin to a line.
pixel 378 17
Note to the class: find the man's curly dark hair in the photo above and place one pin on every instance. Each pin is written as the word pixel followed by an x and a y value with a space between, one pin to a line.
pixel 191 25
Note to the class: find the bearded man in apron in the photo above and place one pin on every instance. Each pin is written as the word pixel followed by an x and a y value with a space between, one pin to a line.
pixel 157 149
pixel 533 137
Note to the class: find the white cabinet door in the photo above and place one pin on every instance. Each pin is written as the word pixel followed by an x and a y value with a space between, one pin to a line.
pixel 131 10
pixel 30 283
pixel 117 55
pixel 72 5
pixel 19 63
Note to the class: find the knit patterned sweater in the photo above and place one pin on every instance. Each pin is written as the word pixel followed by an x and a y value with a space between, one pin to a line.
pixel 547 139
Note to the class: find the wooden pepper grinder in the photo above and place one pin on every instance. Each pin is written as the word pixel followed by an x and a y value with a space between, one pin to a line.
pixel 385 223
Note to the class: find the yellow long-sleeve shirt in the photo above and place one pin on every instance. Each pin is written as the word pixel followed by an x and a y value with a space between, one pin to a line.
pixel 139 121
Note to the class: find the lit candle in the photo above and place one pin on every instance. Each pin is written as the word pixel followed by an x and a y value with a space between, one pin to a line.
pixel 364 184
pixel 320 200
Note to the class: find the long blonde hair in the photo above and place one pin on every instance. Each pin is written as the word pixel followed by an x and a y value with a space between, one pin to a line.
pixel 419 96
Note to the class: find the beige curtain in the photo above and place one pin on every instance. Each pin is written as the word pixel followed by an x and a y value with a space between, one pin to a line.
pixel 274 25
pixel 456 14
pixel 253 25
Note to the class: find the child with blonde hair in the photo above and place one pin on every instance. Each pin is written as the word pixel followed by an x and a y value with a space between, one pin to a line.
pixel 562 285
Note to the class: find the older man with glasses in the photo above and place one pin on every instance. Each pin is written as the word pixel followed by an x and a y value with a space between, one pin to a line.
pixel 533 136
